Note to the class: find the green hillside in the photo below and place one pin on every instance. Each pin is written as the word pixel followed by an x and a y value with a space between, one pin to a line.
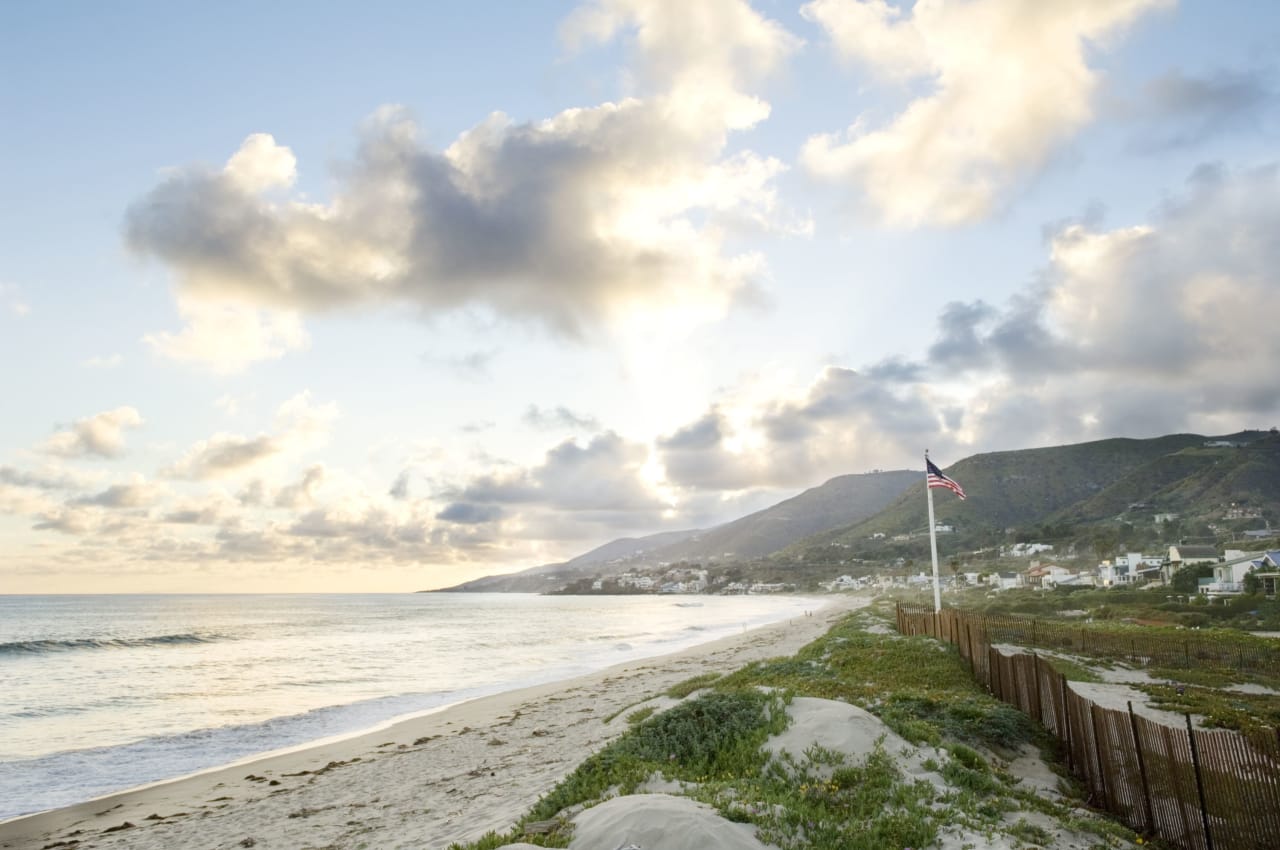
pixel 1197 481
pixel 1017 487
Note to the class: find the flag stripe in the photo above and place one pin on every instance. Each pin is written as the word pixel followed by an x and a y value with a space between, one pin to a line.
pixel 937 479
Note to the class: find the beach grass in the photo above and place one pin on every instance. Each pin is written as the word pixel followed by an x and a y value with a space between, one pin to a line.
pixel 710 747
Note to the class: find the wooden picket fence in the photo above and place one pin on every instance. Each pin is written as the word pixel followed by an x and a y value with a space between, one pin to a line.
pixel 1194 788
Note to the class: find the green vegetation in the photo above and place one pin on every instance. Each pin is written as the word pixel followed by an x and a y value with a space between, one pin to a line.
pixel 640 715
pixel 688 686
pixel 1220 709
pixel 711 745
pixel 1161 606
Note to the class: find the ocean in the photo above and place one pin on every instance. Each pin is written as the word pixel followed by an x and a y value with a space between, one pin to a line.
pixel 103 693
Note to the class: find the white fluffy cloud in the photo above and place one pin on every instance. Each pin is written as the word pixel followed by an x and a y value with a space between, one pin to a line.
pixel 570 222
pixel 1010 82
pixel 226 336
pixel 100 435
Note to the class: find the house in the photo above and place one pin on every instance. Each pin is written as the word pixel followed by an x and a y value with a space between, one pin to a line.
pixel 1021 550
pixel 1062 577
pixel 1003 580
pixel 1228 576
pixel 1111 575
pixel 1267 570
pixel 1168 517
pixel 1192 556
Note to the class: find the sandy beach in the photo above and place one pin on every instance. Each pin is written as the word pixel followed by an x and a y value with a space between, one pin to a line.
pixel 424 782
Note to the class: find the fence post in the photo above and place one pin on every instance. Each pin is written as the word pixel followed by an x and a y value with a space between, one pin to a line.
pixel 1195 762
pixel 1035 674
pixel 1142 770
pixel 995 680
pixel 1097 752
pixel 1066 721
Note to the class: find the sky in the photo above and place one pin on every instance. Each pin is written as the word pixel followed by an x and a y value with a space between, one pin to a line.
pixel 387 296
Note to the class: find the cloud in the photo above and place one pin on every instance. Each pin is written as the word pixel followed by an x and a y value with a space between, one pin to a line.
pixel 100 435
pixel 227 337
pixel 1137 330
pixel 559 418
pixel 209 512
pixel 844 421
pixel 225 454
pixel 576 493
pixel 1146 322
pixel 716 46
pixel 136 494
pixel 110 361
pixel 400 487
pixel 571 222
pixel 469 514
pixel 261 164
pixel 71 520
pixel 1176 110
pixel 1009 84
pixel 474 365
pixel 302 493
pixel 299 426
pixel 36 480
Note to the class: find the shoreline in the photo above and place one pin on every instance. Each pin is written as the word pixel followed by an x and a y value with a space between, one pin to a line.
pixel 450 774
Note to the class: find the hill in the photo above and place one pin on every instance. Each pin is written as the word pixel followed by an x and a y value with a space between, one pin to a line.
pixel 1078 488
pixel 1102 495
pixel 844 499
pixel 839 501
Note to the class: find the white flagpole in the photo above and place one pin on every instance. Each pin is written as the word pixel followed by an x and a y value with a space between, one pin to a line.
pixel 933 538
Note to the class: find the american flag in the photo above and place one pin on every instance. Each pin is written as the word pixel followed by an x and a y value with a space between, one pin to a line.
pixel 937 479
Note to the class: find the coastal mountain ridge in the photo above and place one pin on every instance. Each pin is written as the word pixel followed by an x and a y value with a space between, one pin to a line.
pixel 837 502
pixel 1093 485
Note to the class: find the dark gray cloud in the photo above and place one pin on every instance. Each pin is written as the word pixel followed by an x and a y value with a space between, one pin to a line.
pixel 35 480
pixel 471 514
pixel 1177 110
pixel 558 418
pixel 958 345
pixel 400 487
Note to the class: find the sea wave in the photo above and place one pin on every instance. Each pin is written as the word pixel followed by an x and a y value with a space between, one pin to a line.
pixel 34 647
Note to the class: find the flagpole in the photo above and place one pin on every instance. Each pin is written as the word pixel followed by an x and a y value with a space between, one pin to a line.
pixel 933 537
